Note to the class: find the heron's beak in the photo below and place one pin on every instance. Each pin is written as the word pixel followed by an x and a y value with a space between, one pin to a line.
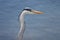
pixel 37 12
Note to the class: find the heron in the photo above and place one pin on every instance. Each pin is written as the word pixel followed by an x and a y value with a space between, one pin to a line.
pixel 25 11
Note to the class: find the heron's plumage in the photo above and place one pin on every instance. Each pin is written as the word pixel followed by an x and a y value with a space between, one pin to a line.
pixel 21 19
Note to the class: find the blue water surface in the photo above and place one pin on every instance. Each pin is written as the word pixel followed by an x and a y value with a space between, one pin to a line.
pixel 38 27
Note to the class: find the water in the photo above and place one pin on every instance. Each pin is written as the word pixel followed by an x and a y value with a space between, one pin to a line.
pixel 38 27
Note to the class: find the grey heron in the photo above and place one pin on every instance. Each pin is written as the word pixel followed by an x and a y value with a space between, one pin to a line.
pixel 21 19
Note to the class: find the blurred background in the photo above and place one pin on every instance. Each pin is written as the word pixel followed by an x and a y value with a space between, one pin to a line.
pixel 38 27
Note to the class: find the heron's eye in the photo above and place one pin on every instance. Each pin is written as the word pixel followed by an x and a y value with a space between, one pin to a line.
pixel 28 9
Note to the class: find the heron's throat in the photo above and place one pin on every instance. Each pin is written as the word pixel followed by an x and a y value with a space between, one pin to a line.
pixel 22 22
pixel 22 17
pixel 22 28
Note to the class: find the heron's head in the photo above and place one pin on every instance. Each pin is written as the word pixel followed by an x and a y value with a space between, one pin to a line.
pixel 28 10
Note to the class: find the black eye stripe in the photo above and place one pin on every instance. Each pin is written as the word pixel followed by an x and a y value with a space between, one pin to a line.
pixel 28 9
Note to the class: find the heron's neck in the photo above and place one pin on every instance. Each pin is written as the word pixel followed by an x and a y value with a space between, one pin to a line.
pixel 22 28
pixel 22 19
